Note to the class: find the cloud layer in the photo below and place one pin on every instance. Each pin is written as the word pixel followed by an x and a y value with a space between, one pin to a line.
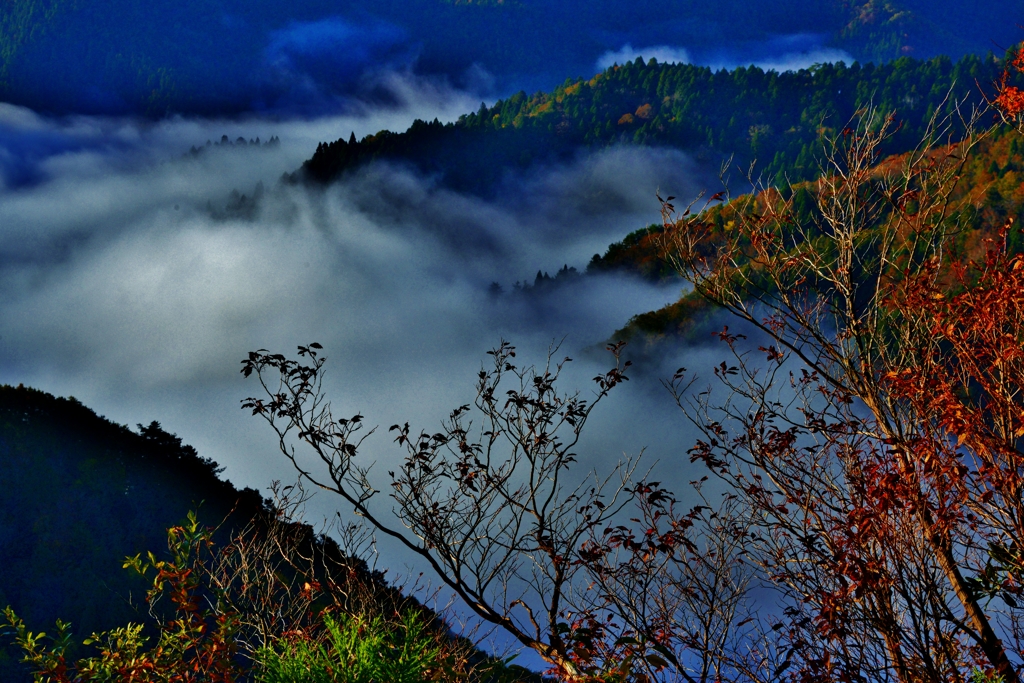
pixel 136 274
pixel 136 281
pixel 780 53
pixel 664 54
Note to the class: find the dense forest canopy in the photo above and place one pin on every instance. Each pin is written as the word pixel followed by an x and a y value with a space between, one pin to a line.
pixel 778 120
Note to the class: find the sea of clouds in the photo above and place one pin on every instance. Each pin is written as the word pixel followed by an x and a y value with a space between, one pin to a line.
pixel 134 281
pixel 135 276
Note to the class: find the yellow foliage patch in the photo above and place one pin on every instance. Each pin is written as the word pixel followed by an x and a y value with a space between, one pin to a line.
pixel 540 109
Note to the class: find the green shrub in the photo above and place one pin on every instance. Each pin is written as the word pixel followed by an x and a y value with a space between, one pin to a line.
pixel 355 650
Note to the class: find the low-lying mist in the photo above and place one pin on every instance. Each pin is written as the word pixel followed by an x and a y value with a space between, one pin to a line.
pixel 786 52
pixel 136 276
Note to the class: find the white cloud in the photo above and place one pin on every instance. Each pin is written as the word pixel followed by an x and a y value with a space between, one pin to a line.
pixel 121 288
pixel 627 53
pixel 794 61
pixel 782 53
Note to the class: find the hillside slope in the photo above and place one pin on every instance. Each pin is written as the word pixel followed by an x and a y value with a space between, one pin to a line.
pixel 81 493
pixel 780 120
pixel 991 187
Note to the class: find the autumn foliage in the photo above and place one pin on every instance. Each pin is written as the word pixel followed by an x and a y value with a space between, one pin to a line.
pixel 865 427
pixel 1010 99
pixel 875 430
pixel 196 641
pixel 969 390
pixel 268 606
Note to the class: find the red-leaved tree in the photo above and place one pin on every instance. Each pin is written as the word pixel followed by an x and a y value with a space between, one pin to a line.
pixel 882 527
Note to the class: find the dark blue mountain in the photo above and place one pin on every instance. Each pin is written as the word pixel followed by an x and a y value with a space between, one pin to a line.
pixel 228 56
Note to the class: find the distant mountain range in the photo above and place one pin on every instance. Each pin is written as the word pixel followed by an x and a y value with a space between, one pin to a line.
pixel 229 56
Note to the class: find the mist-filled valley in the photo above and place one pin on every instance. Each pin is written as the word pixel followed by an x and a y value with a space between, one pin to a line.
pixel 139 275
pixel 187 190
pixel 142 261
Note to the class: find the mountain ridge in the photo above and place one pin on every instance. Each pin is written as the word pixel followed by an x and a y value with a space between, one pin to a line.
pixel 780 120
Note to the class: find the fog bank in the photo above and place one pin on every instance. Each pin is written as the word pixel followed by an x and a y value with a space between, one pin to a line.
pixel 135 279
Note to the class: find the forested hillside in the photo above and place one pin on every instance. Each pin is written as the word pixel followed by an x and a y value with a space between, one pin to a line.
pixel 853 506
pixel 778 120
pixel 80 494
pixel 990 193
